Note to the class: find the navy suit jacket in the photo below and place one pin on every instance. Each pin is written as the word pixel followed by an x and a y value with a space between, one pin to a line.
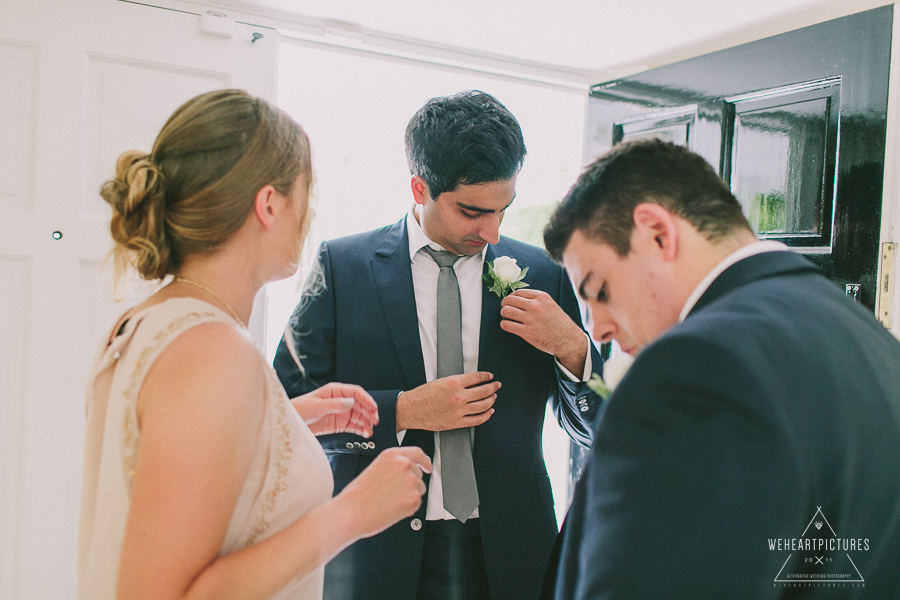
pixel 775 399
pixel 362 328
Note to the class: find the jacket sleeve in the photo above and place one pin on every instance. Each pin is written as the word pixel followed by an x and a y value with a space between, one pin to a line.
pixel 312 330
pixel 575 406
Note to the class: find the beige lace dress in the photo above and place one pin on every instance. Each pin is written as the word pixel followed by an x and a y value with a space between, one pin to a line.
pixel 289 474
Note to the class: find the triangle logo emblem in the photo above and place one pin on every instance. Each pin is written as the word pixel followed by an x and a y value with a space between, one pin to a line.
pixel 819 555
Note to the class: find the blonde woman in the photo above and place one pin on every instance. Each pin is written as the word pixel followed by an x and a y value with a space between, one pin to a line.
pixel 202 480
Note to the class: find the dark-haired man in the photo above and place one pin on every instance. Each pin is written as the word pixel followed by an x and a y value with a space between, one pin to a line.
pixel 406 315
pixel 752 450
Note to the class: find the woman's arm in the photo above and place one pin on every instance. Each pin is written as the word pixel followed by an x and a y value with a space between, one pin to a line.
pixel 200 410
pixel 388 490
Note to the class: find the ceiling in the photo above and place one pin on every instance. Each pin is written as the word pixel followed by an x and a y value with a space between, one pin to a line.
pixel 602 37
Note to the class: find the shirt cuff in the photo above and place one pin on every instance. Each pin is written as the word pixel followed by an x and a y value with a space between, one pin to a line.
pixel 588 367
pixel 402 433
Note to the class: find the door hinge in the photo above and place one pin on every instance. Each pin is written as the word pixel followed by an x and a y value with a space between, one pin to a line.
pixel 886 289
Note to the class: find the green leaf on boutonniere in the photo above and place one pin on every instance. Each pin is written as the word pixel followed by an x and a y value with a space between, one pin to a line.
pixel 512 280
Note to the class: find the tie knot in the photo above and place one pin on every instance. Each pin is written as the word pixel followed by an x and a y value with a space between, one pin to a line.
pixel 442 257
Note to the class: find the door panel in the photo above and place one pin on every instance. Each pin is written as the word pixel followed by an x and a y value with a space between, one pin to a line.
pixel 795 123
pixel 782 161
pixel 675 125
pixel 80 82
pixel 18 77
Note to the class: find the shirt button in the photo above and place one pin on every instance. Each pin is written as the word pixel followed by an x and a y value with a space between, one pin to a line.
pixel 416 524
pixel 116 355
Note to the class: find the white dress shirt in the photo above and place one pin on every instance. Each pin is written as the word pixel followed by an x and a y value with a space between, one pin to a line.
pixel 738 255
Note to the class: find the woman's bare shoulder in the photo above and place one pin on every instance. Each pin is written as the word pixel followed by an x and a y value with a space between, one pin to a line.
pixel 212 366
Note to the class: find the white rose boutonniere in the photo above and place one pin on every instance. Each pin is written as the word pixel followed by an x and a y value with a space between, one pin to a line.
pixel 614 371
pixel 504 276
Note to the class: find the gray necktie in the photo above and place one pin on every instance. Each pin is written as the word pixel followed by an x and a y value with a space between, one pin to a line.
pixel 457 470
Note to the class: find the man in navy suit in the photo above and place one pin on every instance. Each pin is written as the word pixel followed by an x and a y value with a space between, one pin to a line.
pixel 753 448
pixel 373 323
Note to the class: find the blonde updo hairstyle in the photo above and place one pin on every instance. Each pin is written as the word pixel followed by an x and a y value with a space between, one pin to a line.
pixel 199 183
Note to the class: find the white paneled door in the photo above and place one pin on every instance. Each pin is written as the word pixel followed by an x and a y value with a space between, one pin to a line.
pixel 80 81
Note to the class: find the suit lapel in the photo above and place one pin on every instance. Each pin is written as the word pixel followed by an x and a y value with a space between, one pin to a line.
pixel 393 281
pixel 490 313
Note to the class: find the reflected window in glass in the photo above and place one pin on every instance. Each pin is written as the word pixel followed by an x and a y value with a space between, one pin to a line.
pixel 783 163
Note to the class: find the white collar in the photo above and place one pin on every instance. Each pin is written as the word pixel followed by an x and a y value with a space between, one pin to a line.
pixel 740 254
pixel 418 239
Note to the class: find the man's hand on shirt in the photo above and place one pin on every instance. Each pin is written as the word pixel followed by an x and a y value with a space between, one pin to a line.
pixel 536 318
pixel 447 403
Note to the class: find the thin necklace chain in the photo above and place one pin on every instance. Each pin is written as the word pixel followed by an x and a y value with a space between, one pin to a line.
pixel 215 295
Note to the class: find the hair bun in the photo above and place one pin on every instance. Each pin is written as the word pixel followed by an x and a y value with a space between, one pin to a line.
pixel 137 180
pixel 136 196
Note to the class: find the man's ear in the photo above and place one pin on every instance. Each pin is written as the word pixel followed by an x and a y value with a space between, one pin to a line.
pixel 656 226
pixel 419 190
pixel 264 207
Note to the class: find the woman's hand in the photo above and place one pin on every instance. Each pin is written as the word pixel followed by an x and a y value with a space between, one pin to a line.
pixel 338 408
pixel 388 490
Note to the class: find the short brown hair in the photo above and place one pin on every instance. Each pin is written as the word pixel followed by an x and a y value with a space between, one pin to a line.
pixel 601 203
pixel 465 139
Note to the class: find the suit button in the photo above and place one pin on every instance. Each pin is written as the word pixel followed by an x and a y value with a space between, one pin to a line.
pixel 416 524
pixel 349 445
pixel 583 408
pixel 357 445
pixel 371 445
